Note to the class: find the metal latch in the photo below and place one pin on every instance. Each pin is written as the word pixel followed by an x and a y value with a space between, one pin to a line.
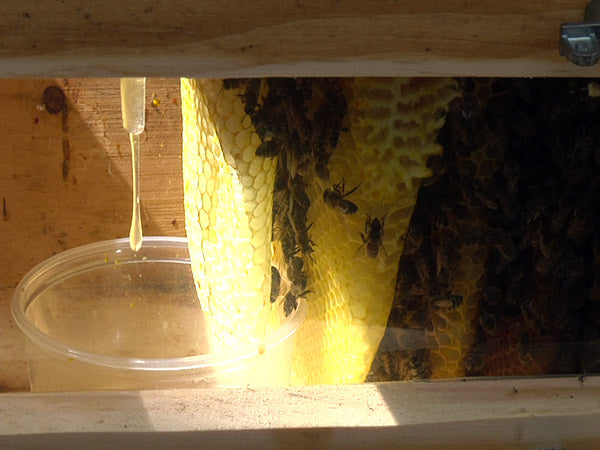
pixel 580 42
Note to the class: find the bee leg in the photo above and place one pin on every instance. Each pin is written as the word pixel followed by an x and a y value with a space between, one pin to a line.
pixel 351 190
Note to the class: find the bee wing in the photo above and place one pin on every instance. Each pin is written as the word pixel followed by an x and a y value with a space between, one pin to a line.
pixel 358 250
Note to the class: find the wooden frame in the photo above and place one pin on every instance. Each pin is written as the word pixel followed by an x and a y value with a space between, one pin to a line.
pixel 510 413
pixel 270 38
pixel 228 38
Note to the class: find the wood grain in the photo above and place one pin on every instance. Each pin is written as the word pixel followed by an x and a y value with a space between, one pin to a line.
pixel 46 213
pixel 510 413
pixel 219 38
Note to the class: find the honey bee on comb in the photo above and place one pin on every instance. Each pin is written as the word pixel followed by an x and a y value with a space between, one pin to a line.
pixel 373 236
pixel 335 197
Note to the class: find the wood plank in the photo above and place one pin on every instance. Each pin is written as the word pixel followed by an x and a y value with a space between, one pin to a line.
pixel 220 38
pixel 508 413
pixel 47 213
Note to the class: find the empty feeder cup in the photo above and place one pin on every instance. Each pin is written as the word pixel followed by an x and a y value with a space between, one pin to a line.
pixel 101 317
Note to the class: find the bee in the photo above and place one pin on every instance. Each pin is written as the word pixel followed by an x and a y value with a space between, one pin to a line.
pixel 442 262
pixel 336 198
pixel 268 149
pixel 298 162
pixel 250 97
pixel 299 284
pixel 288 243
pixel 290 303
pixel 525 345
pixel 321 168
pixel 373 236
pixel 419 365
pixel 450 302
pixel 506 248
pixel 412 240
pixel 249 88
pixel 304 241
pixel 299 198
pixel 296 274
pixel 475 359
pixel 492 295
pixel 487 199
pixel 275 284
pixel 295 266
pixel 488 323
pixel 299 204
pixel 471 106
pixel 232 83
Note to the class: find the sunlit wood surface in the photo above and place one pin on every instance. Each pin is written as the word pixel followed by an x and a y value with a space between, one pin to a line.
pixel 220 38
pixel 46 210
pixel 548 413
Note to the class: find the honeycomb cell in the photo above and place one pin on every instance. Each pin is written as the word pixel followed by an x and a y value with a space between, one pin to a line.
pixel 224 108
pixel 250 197
pixel 206 202
pixel 261 208
pixel 359 310
pixel 203 219
pixel 259 258
pixel 215 200
pixel 242 140
pixel 247 181
pixel 217 151
pixel 201 183
pixel 269 165
pixel 203 125
pixel 233 124
pixel 241 166
pixel 256 167
pixel 260 180
pixel 206 170
pixel 212 218
pixel 259 238
pixel 262 192
pixel 257 223
pixel 238 110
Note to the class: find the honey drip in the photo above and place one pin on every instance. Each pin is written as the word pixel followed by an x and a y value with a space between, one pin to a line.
pixel 135 232
pixel 133 93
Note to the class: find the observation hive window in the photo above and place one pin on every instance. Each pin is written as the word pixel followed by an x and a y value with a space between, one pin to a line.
pixel 437 228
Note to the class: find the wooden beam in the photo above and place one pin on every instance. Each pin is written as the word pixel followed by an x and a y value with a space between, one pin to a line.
pixel 508 413
pixel 225 38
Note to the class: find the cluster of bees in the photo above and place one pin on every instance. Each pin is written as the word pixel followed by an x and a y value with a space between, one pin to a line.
pixel 517 189
pixel 298 120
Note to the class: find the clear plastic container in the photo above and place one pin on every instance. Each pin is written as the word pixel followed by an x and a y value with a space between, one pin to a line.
pixel 102 317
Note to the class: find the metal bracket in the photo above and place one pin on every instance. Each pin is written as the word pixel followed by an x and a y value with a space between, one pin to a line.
pixel 580 42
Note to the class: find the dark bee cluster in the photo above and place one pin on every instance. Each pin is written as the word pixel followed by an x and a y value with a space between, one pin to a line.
pixel 516 188
pixel 299 120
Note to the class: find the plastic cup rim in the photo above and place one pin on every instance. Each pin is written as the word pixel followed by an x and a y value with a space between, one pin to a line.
pixel 20 302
